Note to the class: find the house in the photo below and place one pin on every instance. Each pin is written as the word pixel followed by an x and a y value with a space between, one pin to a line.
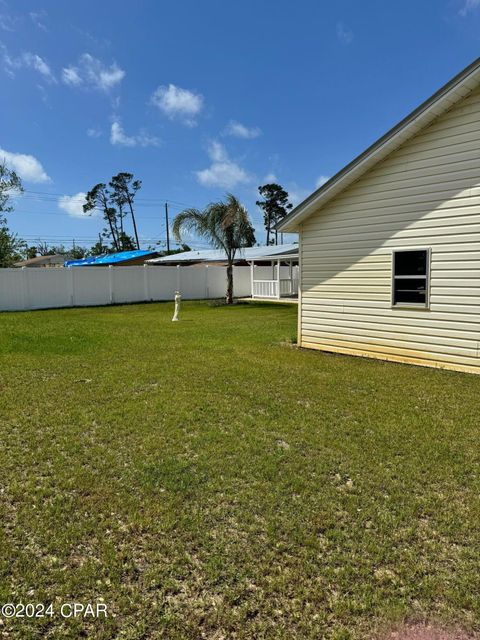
pixel 56 260
pixel 273 269
pixel 120 259
pixel 390 245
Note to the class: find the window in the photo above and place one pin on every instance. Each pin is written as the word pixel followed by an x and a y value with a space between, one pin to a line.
pixel 410 277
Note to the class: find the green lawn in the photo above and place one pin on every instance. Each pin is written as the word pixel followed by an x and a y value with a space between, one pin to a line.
pixel 208 480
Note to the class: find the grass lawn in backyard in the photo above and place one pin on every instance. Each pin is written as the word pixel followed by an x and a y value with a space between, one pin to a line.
pixel 208 480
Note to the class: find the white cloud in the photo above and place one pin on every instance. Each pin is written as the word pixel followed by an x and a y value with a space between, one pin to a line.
pixel 36 62
pixel 27 166
pixel 37 18
pixel 91 73
pixel 71 76
pixel 344 33
pixel 43 93
pixel 239 130
pixel 73 205
pixel 297 194
pixel 217 152
pixel 222 172
pixel 7 20
pixel 178 103
pixel 93 132
pixel 470 5
pixel 270 178
pixel 27 60
pixel 120 138
pixel 321 180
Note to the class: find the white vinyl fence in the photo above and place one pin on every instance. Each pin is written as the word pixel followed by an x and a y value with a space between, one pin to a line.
pixel 41 288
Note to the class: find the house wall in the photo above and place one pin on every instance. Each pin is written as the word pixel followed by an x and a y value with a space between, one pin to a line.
pixel 426 194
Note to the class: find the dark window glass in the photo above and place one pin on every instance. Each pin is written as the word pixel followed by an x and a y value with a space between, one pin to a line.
pixel 410 263
pixel 410 290
pixel 410 277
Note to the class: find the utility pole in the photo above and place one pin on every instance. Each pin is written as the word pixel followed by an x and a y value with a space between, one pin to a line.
pixel 166 222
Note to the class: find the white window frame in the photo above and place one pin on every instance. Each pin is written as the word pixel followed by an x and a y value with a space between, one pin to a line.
pixel 412 305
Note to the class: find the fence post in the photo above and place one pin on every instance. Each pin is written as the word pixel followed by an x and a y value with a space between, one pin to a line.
pixel 145 282
pixel 72 286
pixel 110 283
pixel 25 289
pixel 278 280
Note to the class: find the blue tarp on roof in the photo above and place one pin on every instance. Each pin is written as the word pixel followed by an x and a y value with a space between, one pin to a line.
pixel 110 258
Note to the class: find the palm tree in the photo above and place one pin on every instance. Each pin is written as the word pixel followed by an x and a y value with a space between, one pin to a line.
pixel 226 225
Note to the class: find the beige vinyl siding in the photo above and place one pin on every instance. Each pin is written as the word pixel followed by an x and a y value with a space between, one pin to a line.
pixel 426 194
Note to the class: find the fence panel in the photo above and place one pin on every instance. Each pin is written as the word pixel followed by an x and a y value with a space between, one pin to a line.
pixel 84 286
pixel 242 285
pixel 193 282
pixel 128 283
pixel 52 291
pixel 90 286
pixel 161 282
pixel 12 289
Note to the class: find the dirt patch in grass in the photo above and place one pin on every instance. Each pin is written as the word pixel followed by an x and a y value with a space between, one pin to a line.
pixel 427 632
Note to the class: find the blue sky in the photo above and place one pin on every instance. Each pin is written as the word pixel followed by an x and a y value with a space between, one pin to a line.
pixel 200 98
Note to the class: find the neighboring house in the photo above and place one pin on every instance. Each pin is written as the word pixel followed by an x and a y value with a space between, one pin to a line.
pixel 120 259
pixel 218 257
pixel 56 260
pixel 273 269
pixel 390 246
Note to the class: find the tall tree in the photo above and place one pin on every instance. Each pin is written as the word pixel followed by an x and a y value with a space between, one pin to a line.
pixel 43 249
pixel 10 184
pixel 124 188
pixel 275 206
pixel 225 225
pixel 12 248
pixel 127 242
pixel 100 198
pixel 76 252
pixel 99 248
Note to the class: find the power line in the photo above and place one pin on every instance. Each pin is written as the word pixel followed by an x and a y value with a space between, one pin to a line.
pixel 166 226
pixel 50 197
pixel 152 201
pixel 69 239
pixel 66 216
pixel 140 205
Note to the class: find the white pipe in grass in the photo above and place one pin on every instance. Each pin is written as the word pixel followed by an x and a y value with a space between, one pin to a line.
pixel 178 297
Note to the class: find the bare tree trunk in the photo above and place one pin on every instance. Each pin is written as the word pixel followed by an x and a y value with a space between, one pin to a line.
pixel 134 223
pixel 268 234
pixel 117 234
pixel 120 210
pixel 229 296
pixel 112 231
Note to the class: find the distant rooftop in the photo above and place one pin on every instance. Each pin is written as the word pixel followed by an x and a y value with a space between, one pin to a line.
pixel 110 258
pixel 215 255
pixel 42 261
